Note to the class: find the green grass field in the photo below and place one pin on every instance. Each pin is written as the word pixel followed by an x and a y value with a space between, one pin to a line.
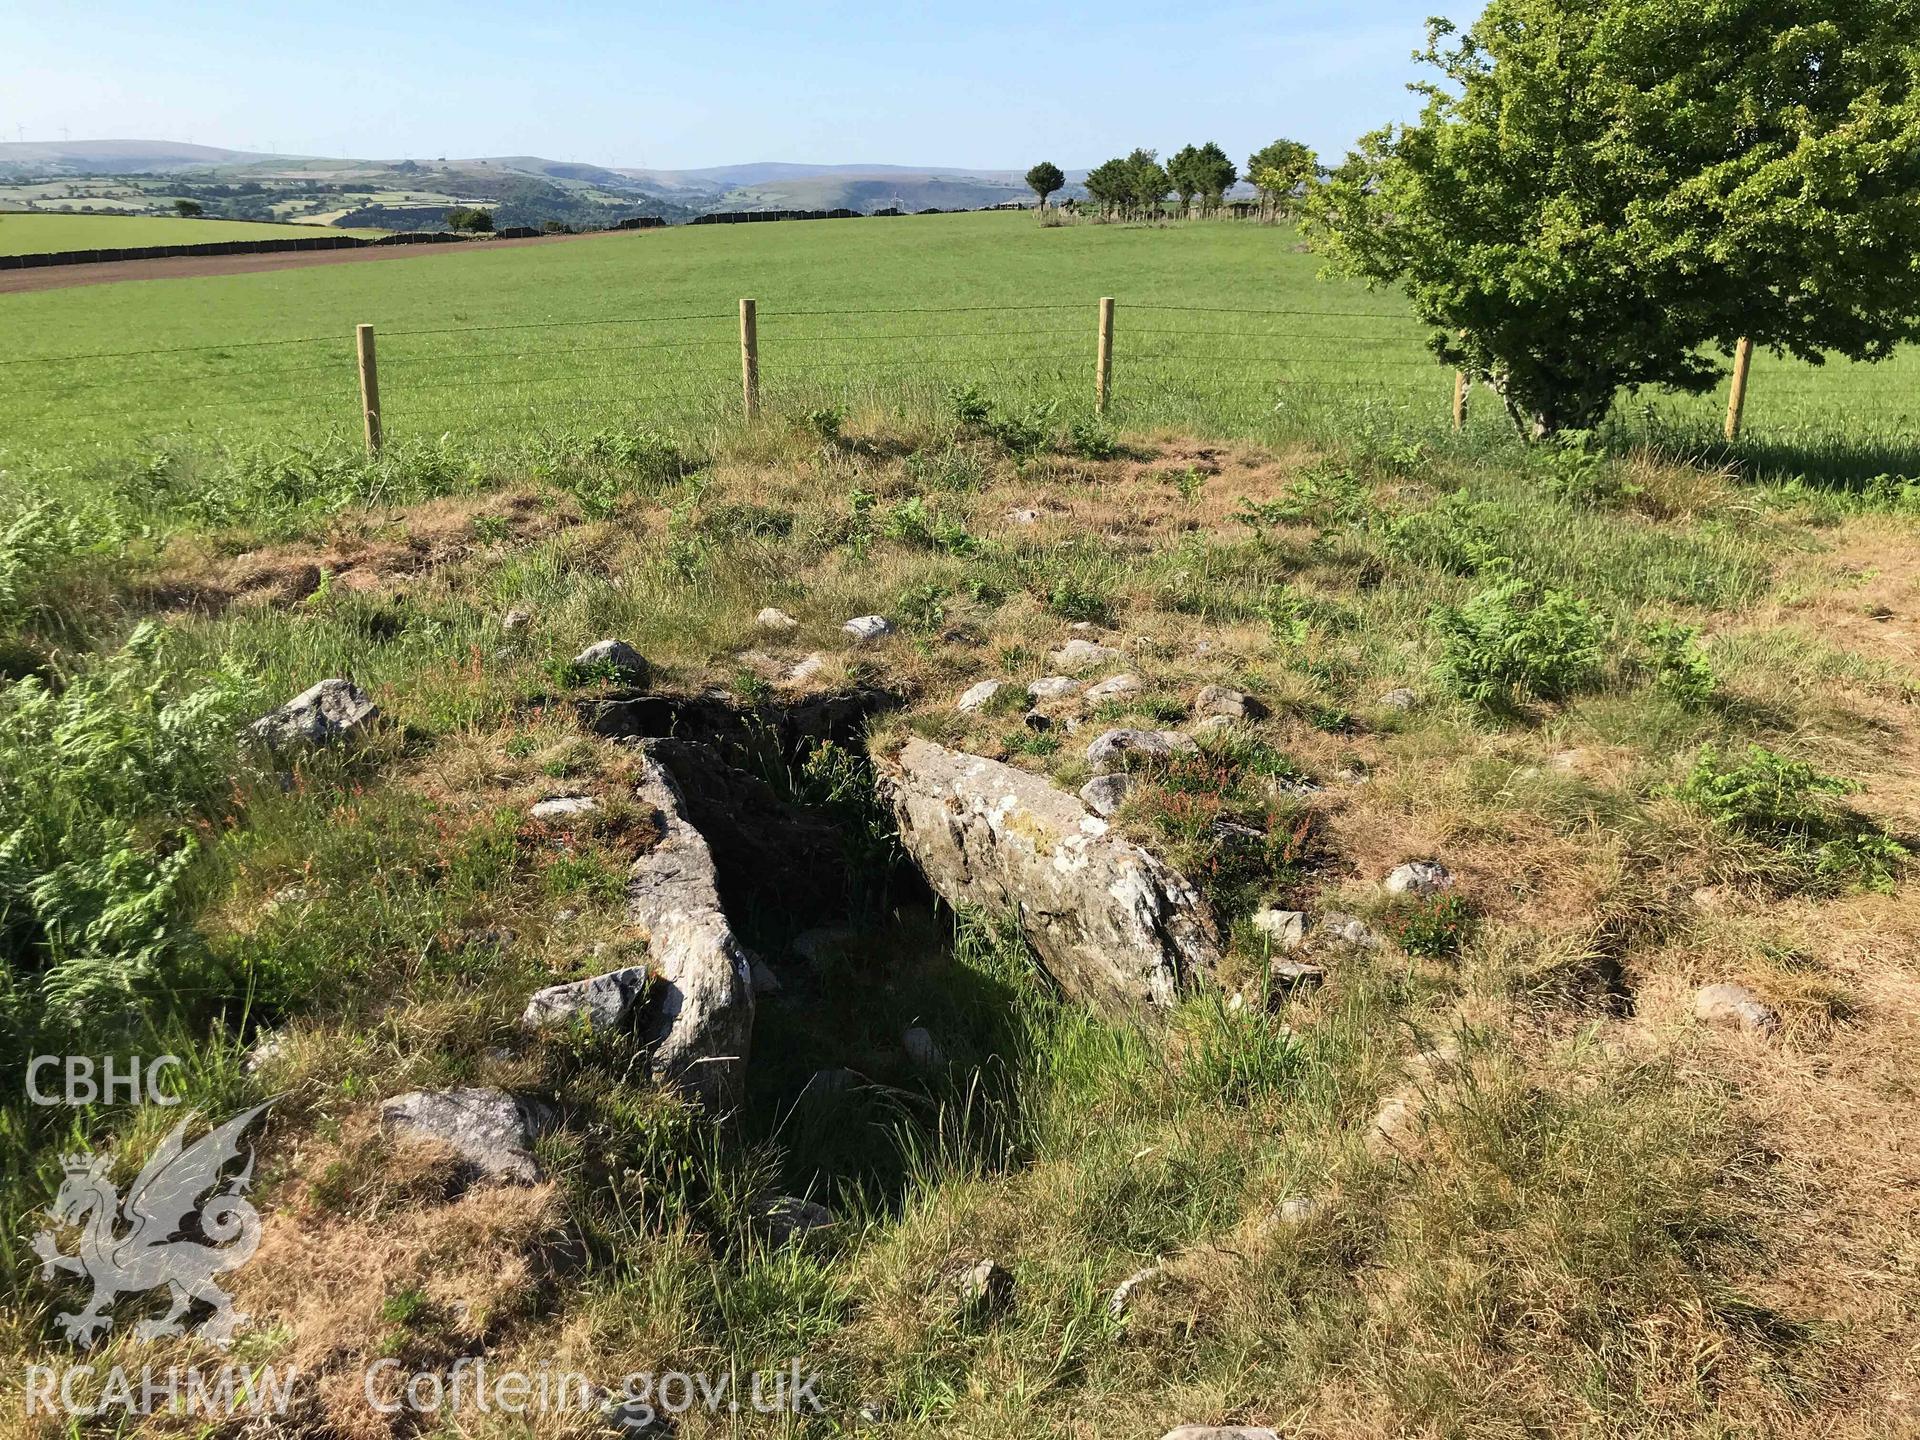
pixel 1222 328
pixel 49 234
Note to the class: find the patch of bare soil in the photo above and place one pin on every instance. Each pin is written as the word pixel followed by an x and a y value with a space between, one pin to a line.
pixel 374 554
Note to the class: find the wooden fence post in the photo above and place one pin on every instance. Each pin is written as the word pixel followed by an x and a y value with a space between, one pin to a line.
pixel 1459 401
pixel 1737 397
pixel 369 387
pixel 749 359
pixel 1103 365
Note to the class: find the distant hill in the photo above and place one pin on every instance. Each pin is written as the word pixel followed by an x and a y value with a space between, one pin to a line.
pixel 113 157
pixel 410 192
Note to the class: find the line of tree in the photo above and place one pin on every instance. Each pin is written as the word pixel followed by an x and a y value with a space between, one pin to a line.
pixel 1136 186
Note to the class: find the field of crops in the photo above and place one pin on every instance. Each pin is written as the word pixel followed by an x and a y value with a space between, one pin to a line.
pixel 1223 328
pixel 47 234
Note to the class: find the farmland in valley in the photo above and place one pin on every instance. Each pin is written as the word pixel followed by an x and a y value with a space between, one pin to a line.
pixel 47 234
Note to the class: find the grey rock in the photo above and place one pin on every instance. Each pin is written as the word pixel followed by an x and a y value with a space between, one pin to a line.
pixel 1105 794
pixel 626 664
pixel 1052 687
pixel 565 915
pixel 1080 654
pixel 765 981
pixel 1336 928
pixel 1287 974
pixel 1297 1209
pixel 787 1218
pixel 1398 700
pixel 1115 687
pixel 1111 922
pixel 603 1003
pixel 1037 721
pixel 1418 877
pixel 984 1287
pixel 1293 785
pixel 776 621
pixel 1231 704
pixel 923 1051
pixel 977 697
pixel 1287 929
pixel 1117 749
pixel 332 711
pixel 565 807
pixel 868 628
pixel 1212 725
pixel 703 1022
pixel 267 1048
pixel 1023 517
pixel 1221 1432
pixel 1736 1006
pixel 805 669
pixel 492 1132
pixel 825 1084
pixel 1123 1293
pixel 516 620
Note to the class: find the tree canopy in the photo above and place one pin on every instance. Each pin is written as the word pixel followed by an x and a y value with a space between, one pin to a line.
pixel 1279 169
pixel 1043 179
pixel 1598 194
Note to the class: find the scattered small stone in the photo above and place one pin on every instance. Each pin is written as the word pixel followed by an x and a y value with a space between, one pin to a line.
pixel 566 915
pixel 288 895
pixel 1289 974
pixel 1342 929
pixel 1104 794
pixel 1221 1432
pixel 923 1051
pixel 1297 785
pixel 1419 877
pixel 1115 687
pixel 788 1218
pixel 1052 687
pixel 1231 704
pixel 1402 699
pixel 765 981
pixel 565 807
pixel 1024 517
pixel 1394 1124
pixel 1297 1209
pixel 814 946
pixel 984 1287
pixel 492 1131
pixel 776 621
pixel 331 711
pixel 1038 721
pixel 516 620
pixel 1737 1006
pixel 1212 725
pixel 1122 1295
pixel 269 1047
pixel 978 697
pixel 602 1003
pixel 806 669
pixel 1081 654
pixel 868 628
pixel 1117 748
pixel 1287 929
pixel 626 664
pixel 1083 627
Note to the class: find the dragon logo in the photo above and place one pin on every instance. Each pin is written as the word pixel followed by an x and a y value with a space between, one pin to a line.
pixel 171 1240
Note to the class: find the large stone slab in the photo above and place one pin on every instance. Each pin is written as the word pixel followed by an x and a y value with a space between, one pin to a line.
pixel 700 1010
pixel 491 1131
pixel 1113 923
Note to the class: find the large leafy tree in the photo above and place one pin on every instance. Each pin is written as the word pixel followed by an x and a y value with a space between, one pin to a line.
pixel 1043 179
pixel 1602 193
pixel 1212 174
pixel 1280 169
pixel 1183 173
pixel 1110 184
pixel 1147 181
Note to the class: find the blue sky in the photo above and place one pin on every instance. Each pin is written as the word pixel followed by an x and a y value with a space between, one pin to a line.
pixel 995 84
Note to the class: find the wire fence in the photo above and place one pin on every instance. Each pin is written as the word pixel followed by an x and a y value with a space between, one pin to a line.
pixel 1238 366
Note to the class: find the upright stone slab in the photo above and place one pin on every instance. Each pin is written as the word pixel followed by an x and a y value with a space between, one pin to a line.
pixel 1113 923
